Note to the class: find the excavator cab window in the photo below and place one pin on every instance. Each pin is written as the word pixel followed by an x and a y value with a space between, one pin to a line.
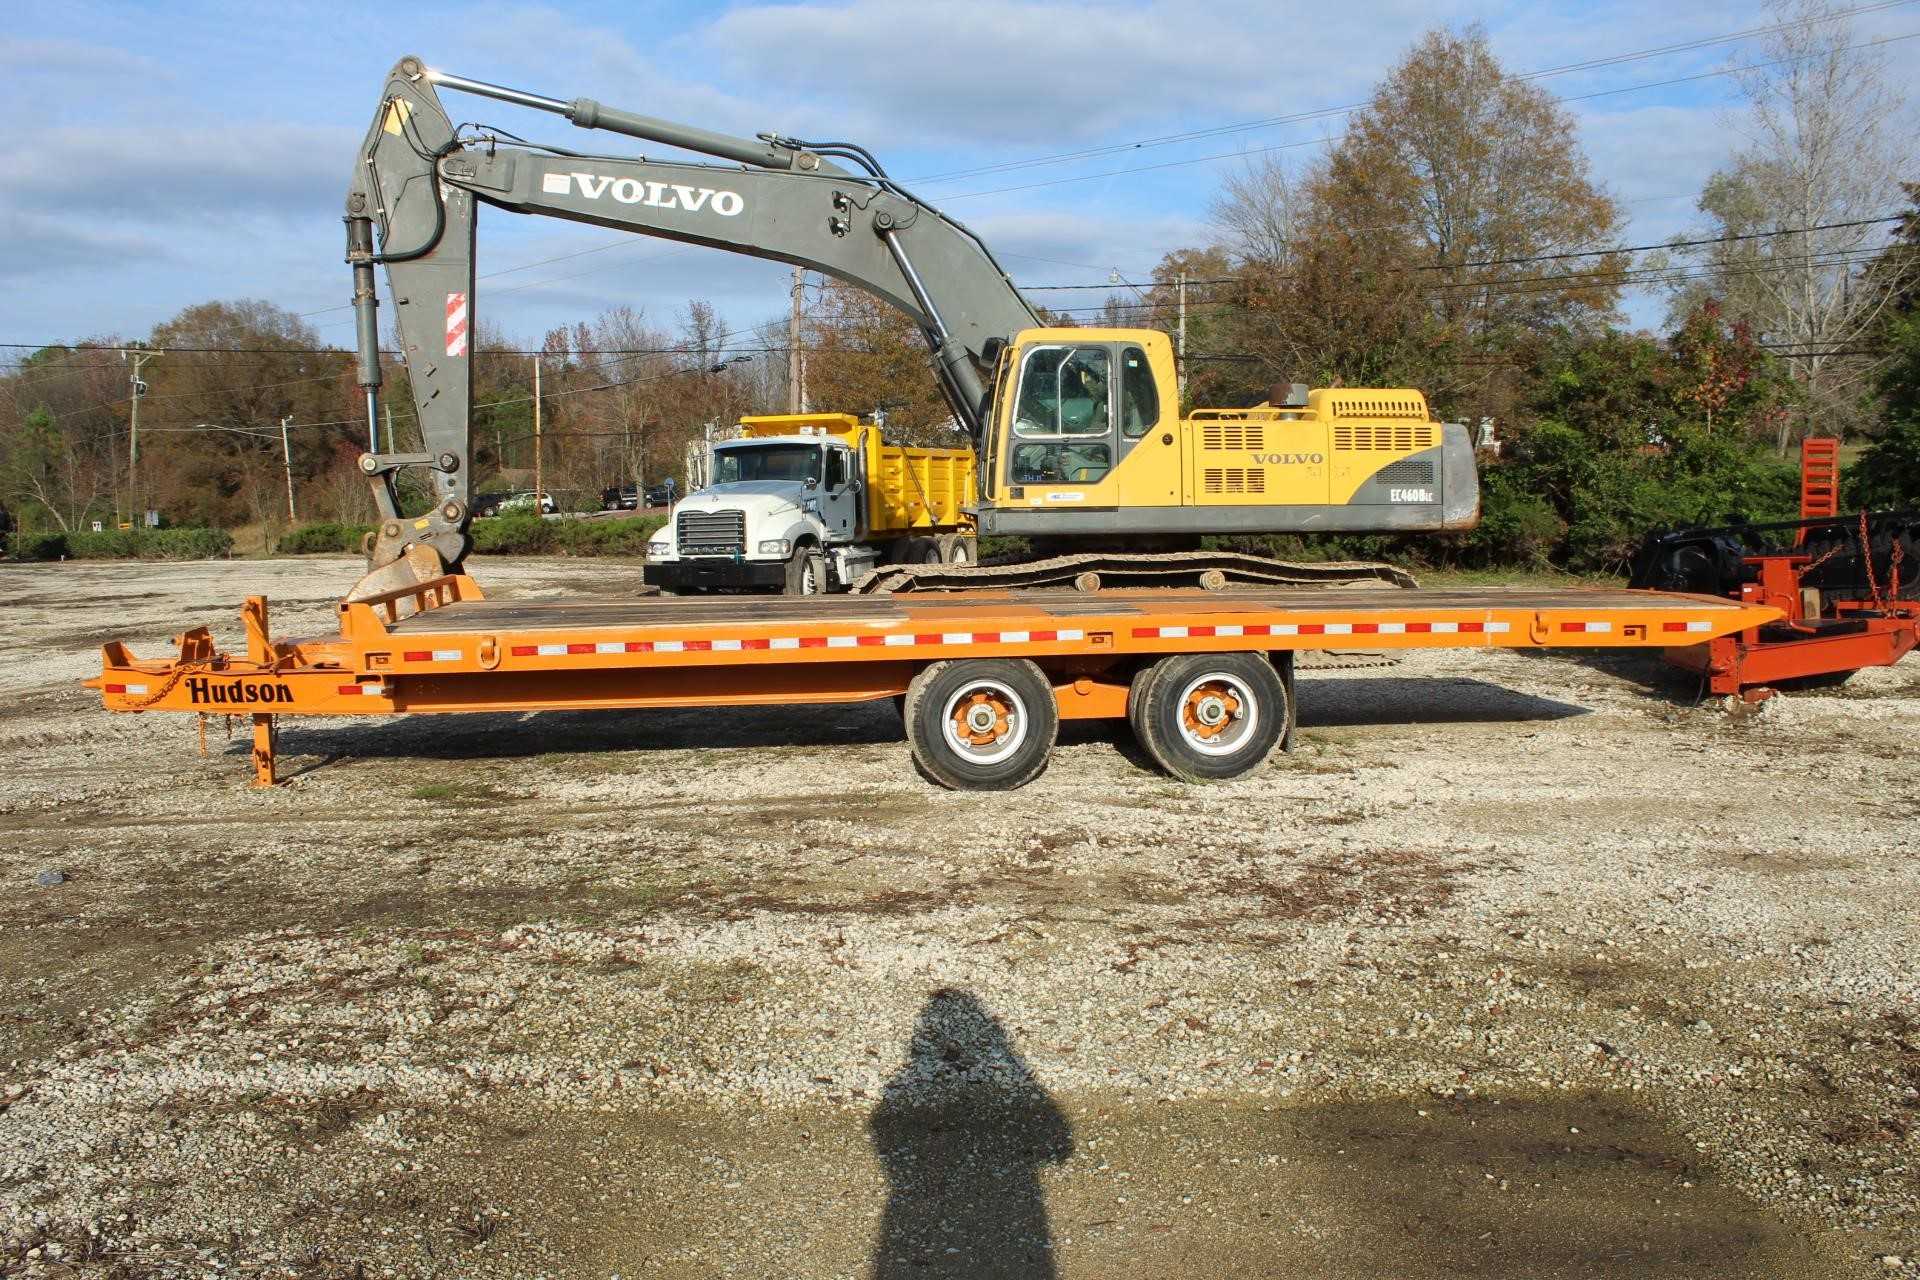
pixel 1139 398
pixel 1063 420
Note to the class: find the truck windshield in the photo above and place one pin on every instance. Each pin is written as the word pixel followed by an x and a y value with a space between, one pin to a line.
pixel 796 462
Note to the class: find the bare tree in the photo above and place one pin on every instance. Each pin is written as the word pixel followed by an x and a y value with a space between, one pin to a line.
pixel 1258 212
pixel 1813 190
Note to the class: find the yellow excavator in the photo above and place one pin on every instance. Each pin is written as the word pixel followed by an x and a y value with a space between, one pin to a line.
pixel 1079 437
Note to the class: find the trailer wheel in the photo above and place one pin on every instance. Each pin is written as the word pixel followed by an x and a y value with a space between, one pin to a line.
pixel 981 724
pixel 928 551
pixel 961 549
pixel 1207 717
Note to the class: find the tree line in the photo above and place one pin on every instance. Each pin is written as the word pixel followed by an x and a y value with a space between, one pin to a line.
pixel 1453 238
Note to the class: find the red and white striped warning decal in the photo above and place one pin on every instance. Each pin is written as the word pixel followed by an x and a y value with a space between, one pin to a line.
pixel 431 655
pixel 363 691
pixel 1701 625
pixel 751 644
pixel 1231 630
pixel 456 324
pixel 135 689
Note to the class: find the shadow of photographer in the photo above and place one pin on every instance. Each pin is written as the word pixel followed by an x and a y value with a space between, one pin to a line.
pixel 963 1130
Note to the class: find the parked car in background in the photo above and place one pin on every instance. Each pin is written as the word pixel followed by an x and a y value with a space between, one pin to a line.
pixel 662 494
pixel 624 497
pixel 522 504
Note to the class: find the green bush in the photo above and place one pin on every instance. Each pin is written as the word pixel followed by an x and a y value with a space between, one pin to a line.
pixel 37 546
pixel 122 544
pixel 531 536
pixel 150 544
pixel 323 537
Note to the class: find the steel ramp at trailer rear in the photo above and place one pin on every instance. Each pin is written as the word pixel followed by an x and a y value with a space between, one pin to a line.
pixel 1204 678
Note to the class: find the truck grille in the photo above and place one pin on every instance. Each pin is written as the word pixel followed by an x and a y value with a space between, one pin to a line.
pixel 712 533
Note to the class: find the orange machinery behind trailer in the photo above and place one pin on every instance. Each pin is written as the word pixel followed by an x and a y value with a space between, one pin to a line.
pixel 1204 678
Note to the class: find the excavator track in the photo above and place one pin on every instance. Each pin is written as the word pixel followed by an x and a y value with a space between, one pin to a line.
pixel 1095 571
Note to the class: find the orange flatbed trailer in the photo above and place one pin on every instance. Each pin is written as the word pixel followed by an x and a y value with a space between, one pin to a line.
pixel 1205 678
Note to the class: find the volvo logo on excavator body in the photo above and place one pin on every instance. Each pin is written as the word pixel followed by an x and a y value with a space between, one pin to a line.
pixel 1289 459
pixel 655 195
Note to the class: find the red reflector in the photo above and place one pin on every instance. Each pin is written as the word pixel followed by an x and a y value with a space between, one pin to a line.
pixel 418 655
pixel 1573 626
pixel 865 641
pixel 116 688
pixel 1313 628
pixel 1200 632
pixel 1046 635
pixel 1673 626
pixel 1473 626
pixel 579 648
pixel 699 646
pixel 813 642
pixel 525 651
pixel 348 689
pixel 753 644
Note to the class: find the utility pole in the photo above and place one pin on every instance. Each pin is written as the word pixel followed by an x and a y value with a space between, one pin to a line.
pixel 1180 343
pixel 539 493
pixel 796 363
pixel 137 356
pixel 286 454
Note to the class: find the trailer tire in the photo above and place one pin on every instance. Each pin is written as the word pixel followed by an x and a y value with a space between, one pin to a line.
pixel 1208 717
pixel 981 724
pixel 961 549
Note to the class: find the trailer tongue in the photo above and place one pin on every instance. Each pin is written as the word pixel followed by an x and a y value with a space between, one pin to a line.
pixel 1204 678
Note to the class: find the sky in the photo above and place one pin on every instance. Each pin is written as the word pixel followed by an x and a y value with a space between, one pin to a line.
pixel 163 155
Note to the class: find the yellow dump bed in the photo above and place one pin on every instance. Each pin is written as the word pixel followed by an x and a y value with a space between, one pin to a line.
pixel 909 489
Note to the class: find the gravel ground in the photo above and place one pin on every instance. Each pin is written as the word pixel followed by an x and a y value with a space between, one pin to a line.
pixel 1518 965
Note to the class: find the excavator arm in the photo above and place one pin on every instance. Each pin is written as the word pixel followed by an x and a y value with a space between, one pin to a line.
pixel 419 180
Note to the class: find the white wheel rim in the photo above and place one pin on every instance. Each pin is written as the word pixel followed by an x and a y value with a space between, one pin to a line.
pixel 1217 713
pixel 960 553
pixel 984 722
pixel 808 586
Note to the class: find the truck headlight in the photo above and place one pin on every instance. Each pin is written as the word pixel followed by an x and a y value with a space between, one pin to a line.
pixel 661 548
pixel 776 547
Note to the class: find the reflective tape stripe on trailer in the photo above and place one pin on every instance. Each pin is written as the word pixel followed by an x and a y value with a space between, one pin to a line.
pixel 432 655
pixel 363 690
pixel 1234 630
pixel 863 640
pixel 1586 628
pixel 136 689
pixel 1686 626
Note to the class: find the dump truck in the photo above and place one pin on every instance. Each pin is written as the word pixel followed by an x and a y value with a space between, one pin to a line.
pixel 806 503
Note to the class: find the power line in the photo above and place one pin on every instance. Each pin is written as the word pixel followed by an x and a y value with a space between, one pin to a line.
pixel 1321 112
pixel 1309 142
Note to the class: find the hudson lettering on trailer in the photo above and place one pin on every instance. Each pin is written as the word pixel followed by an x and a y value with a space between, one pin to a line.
pixel 209 691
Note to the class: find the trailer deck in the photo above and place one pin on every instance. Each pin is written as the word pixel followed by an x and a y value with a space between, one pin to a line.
pixel 442 646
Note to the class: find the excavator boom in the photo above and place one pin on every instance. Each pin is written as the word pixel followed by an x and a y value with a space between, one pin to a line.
pixel 418 181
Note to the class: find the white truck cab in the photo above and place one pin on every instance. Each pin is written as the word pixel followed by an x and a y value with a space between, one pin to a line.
pixel 802 504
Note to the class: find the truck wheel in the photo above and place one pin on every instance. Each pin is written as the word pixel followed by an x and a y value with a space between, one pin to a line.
pixel 1208 717
pixel 957 548
pixel 981 724
pixel 803 573
pixel 927 551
